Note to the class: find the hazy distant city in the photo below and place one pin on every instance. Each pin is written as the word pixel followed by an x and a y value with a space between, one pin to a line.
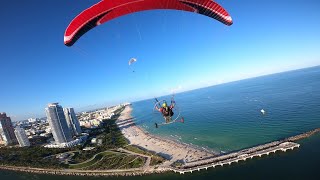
pixel 61 127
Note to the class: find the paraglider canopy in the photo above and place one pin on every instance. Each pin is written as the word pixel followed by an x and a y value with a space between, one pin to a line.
pixel 132 60
pixel 106 10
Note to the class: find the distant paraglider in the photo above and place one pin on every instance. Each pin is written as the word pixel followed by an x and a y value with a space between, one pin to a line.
pixel 131 61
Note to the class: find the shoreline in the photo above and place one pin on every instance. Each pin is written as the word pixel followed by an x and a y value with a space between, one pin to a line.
pixel 168 148
pixel 96 173
pixel 171 150
pixel 171 139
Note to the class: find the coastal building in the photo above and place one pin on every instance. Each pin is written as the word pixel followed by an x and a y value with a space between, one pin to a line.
pixel 72 143
pixel 2 138
pixel 94 123
pixel 58 123
pixel 7 136
pixel 22 137
pixel 32 120
pixel 72 121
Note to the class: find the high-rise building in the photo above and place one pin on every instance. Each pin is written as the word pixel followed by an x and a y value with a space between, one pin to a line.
pixel 6 130
pixel 72 121
pixel 22 137
pixel 58 123
pixel 2 140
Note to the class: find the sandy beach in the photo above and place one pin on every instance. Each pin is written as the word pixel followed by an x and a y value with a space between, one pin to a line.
pixel 169 149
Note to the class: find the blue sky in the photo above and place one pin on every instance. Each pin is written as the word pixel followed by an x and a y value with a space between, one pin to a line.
pixel 175 50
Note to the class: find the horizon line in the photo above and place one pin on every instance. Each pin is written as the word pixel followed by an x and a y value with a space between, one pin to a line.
pixel 103 105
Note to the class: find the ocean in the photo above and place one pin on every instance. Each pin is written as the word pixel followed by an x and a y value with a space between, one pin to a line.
pixel 228 117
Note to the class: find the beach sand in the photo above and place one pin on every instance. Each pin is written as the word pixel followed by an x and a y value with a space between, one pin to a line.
pixel 168 149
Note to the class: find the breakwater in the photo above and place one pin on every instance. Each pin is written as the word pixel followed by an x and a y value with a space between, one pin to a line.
pixel 235 157
pixel 242 155
pixel 303 135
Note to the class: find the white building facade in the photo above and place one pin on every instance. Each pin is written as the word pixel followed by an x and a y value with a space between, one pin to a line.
pixel 21 137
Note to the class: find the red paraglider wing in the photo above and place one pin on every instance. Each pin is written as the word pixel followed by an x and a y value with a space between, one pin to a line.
pixel 107 10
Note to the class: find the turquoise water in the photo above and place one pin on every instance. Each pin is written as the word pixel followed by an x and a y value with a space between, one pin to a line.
pixel 227 117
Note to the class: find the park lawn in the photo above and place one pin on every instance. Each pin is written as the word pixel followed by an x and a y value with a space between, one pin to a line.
pixel 155 159
pixel 118 161
pixel 90 162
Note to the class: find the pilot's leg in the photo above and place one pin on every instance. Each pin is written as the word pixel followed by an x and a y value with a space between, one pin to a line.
pixel 167 118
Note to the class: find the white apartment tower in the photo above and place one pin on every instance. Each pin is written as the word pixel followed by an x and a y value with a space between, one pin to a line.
pixel 58 123
pixel 22 137
pixel 72 121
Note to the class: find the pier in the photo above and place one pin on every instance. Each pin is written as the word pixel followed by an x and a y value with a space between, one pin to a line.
pixel 234 157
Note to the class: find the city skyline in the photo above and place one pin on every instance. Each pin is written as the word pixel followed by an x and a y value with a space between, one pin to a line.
pixel 267 37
